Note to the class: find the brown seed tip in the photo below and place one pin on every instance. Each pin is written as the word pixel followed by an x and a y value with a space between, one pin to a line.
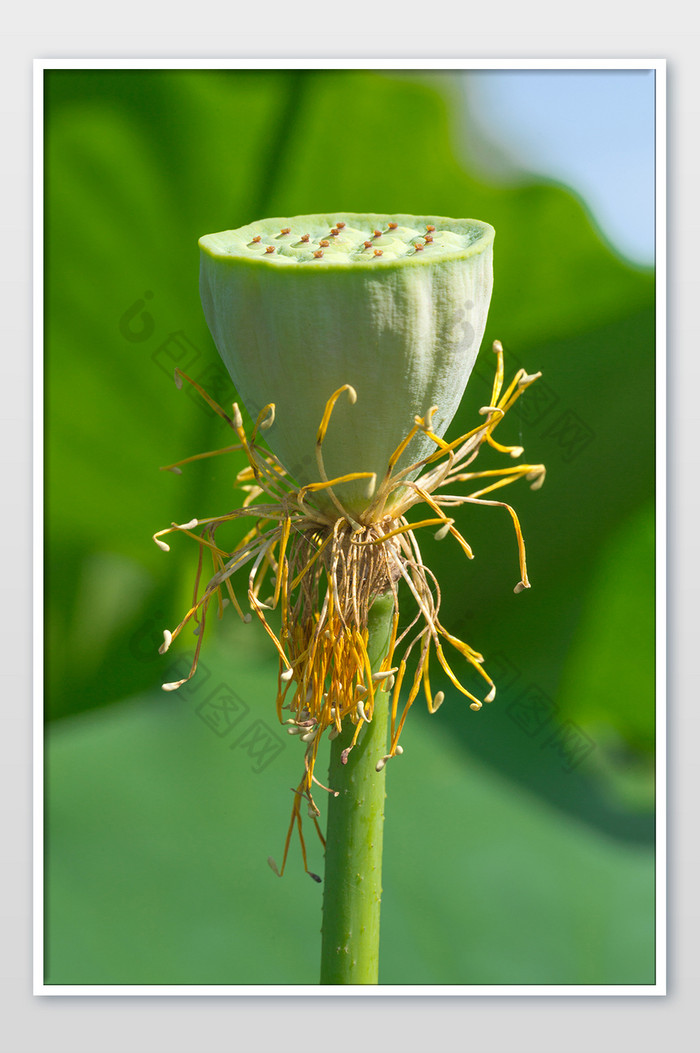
pixel 270 248
pixel 257 237
pixel 318 253
pixel 324 244
pixel 392 226
pixel 418 246
pixel 428 237
pixel 377 234
pixel 305 237
pixel 286 230
pixel 377 252
pixel 429 227
pixel 368 244
pixel 340 226
pixel 334 233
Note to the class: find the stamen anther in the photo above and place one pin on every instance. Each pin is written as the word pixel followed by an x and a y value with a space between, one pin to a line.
pixel 537 475
pixel 444 530
pixel 269 420
pixel 385 674
pixel 360 707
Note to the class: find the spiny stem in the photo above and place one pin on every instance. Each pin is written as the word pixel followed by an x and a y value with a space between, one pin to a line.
pixel 353 878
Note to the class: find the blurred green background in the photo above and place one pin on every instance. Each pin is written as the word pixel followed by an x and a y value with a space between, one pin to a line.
pixel 519 840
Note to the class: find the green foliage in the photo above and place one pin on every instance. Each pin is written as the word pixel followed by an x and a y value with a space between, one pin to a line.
pixel 158 831
pixel 157 841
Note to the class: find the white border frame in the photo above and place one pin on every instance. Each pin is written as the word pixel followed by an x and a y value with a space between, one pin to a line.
pixel 205 990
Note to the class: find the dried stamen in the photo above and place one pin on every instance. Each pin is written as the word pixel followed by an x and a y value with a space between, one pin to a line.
pixel 323 575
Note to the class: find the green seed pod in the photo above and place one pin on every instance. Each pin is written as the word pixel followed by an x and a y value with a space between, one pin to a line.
pixel 395 306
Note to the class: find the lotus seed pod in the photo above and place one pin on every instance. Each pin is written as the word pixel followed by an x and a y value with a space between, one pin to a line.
pixel 395 306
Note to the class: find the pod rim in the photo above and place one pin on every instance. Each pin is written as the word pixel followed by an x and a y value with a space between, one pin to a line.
pixel 211 244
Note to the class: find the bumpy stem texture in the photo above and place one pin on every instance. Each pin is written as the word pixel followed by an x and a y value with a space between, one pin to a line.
pixel 353 878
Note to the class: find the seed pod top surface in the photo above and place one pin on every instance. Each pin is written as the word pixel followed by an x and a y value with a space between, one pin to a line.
pixel 393 305
pixel 350 240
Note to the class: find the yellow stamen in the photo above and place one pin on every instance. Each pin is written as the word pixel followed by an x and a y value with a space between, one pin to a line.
pixel 324 571
pixel 323 427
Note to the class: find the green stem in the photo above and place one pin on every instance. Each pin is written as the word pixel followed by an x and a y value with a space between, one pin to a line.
pixel 353 878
